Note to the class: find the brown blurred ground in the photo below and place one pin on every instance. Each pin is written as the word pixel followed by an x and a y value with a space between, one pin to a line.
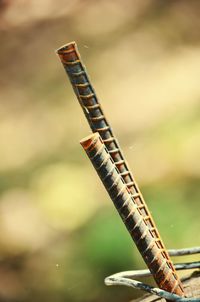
pixel 143 59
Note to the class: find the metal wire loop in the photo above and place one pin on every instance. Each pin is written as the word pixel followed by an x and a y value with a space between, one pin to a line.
pixel 124 278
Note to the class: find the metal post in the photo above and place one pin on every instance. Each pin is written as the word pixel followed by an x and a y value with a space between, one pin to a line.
pixel 89 102
pixel 130 213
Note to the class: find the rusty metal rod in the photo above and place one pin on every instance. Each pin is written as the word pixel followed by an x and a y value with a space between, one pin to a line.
pixel 129 211
pixel 89 102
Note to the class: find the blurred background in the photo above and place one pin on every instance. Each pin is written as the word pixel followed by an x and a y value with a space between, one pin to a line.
pixel 60 235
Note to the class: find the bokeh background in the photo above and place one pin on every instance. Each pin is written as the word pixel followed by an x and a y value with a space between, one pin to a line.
pixel 60 236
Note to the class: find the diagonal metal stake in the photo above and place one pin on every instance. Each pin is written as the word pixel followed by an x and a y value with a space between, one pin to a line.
pixel 86 95
pixel 130 214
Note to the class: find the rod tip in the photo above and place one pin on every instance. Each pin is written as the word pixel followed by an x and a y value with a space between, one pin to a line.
pixel 65 48
pixel 89 141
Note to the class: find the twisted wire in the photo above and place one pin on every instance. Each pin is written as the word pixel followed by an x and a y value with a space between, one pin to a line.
pixel 125 278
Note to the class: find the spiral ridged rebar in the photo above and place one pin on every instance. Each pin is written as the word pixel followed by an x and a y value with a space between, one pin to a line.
pixel 89 102
pixel 130 213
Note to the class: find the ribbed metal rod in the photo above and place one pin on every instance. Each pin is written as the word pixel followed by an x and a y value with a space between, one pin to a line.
pixel 89 102
pixel 123 200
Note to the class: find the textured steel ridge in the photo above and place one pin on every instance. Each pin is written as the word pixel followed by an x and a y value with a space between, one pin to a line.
pixel 124 202
pixel 85 93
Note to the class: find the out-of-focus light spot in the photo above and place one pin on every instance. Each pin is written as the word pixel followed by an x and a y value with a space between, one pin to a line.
pixel 30 133
pixel 65 193
pixel 22 226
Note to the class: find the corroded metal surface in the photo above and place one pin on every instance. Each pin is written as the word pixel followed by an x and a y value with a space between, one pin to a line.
pixel 130 213
pixel 89 102
pixel 191 286
pixel 128 278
